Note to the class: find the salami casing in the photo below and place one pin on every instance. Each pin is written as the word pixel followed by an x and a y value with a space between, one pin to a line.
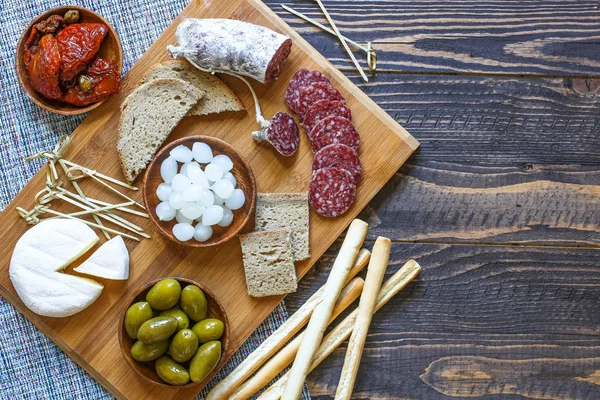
pixel 323 109
pixel 302 77
pixel 332 191
pixel 338 156
pixel 226 45
pixel 333 130
pixel 282 133
pixel 314 92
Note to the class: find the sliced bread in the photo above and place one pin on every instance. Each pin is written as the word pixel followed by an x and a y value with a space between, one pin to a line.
pixel 268 263
pixel 148 115
pixel 217 98
pixel 286 210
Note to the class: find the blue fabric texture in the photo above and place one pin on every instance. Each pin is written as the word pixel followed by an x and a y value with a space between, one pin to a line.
pixel 31 366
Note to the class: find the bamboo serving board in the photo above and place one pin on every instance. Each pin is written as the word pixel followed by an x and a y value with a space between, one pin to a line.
pixel 90 337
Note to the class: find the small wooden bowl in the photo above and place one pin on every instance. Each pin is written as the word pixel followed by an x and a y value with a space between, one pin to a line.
pixel 110 48
pixel 242 172
pixel 146 369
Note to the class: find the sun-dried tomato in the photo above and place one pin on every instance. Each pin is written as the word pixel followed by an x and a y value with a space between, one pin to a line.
pixel 44 68
pixel 49 25
pixel 78 44
pixel 105 77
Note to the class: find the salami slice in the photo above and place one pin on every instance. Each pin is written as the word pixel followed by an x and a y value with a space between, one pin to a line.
pixel 226 45
pixel 333 130
pixel 332 191
pixel 301 78
pixel 338 156
pixel 322 109
pixel 314 92
pixel 283 134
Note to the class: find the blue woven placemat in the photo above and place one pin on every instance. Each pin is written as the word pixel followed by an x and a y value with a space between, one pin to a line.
pixel 31 366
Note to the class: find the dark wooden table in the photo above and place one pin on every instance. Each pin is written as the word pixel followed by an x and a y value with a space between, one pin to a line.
pixel 500 205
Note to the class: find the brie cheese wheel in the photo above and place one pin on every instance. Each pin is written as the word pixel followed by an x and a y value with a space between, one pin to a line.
pixel 38 259
pixel 110 261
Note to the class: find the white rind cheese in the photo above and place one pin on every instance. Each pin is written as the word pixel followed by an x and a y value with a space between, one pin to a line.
pixel 110 261
pixel 38 259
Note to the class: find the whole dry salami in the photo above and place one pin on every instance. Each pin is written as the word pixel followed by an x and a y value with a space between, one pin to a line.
pixel 322 109
pixel 226 45
pixel 314 92
pixel 338 156
pixel 302 77
pixel 332 191
pixel 282 133
pixel 333 130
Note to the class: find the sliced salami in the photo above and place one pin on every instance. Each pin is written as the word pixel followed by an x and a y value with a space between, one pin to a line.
pixel 314 92
pixel 338 156
pixel 333 130
pixel 332 191
pixel 282 133
pixel 322 109
pixel 302 77
pixel 227 45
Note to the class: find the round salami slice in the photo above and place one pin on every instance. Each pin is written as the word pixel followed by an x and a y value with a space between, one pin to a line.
pixel 301 78
pixel 322 109
pixel 314 92
pixel 338 156
pixel 333 130
pixel 332 191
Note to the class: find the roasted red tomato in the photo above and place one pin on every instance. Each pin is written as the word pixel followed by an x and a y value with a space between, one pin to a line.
pixel 103 79
pixel 78 44
pixel 44 68
pixel 49 25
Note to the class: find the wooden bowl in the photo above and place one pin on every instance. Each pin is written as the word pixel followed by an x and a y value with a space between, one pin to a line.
pixel 242 218
pixel 110 48
pixel 146 369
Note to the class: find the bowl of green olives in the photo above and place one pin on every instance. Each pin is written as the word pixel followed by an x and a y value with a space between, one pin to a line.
pixel 175 332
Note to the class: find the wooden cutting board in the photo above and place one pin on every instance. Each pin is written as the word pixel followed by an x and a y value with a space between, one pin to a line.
pixel 90 337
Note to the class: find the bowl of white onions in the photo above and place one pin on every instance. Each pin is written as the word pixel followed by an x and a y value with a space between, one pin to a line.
pixel 200 192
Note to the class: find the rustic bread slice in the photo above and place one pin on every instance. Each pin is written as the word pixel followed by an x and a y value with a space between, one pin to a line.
pixel 218 97
pixel 148 115
pixel 268 263
pixel 286 210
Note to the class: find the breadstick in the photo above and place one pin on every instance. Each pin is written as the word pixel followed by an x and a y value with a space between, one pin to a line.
pixel 282 359
pixel 318 321
pixel 341 332
pixel 366 308
pixel 274 342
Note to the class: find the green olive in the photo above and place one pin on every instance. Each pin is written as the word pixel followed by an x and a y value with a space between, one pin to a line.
pixel 85 83
pixel 209 329
pixel 205 360
pixel 157 329
pixel 71 16
pixel 183 345
pixel 135 316
pixel 164 294
pixel 193 302
pixel 143 352
pixel 171 372
pixel 183 322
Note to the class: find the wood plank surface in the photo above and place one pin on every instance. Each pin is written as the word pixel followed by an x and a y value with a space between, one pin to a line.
pixel 534 37
pixel 90 337
pixel 499 204
pixel 478 322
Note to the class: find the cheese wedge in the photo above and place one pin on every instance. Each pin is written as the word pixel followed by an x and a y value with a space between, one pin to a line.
pixel 110 261
pixel 38 259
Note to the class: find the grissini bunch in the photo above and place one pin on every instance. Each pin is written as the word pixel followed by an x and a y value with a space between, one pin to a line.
pixel 343 330
pixel 284 358
pixel 366 309
pixel 320 317
pixel 274 342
